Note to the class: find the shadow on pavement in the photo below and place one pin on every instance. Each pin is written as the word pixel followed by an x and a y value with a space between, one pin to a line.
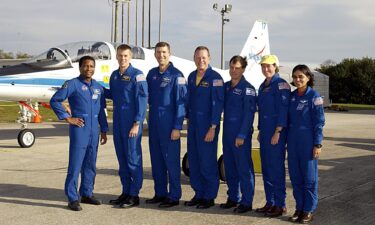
pixel 147 174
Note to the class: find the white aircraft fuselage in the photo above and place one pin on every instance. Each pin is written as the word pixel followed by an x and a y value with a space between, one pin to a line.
pixel 38 79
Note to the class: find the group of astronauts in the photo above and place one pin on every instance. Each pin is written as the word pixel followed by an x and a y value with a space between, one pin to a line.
pixel 295 119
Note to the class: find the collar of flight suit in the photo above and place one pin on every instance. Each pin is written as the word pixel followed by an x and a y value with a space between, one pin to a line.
pixel 83 80
pixel 308 90
pixel 168 70
pixel 128 71
pixel 238 84
pixel 207 74
pixel 273 79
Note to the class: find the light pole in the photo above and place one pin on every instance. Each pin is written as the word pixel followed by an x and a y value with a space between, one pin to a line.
pixel 226 9
pixel 128 37
pixel 136 22
pixel 115 12
pixel 160 13
pixel 149 24
pixel 143 23
pixel 122 22
pixel 115 21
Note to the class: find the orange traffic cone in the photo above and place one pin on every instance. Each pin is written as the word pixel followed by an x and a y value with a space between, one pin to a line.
pixel 37 117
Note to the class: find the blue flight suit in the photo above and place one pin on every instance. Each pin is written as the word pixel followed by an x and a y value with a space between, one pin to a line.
pixel 306 121
pixel 87 102
pixel 167 94
pixel 205 105
pixel 239 110
pixel 273 100
pixel 129 94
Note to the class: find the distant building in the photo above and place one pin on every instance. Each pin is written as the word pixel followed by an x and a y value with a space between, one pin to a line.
pixel 321 82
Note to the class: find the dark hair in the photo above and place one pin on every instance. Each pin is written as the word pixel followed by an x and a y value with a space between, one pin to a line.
pixel 199 48
pixel 124 47
pixel 305 70
pixel 163 44
pixel 84 58
pixel 240 59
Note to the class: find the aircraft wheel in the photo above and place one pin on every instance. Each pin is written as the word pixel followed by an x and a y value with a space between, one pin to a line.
pixel 185 165
pixel 220 165
pixel 26 138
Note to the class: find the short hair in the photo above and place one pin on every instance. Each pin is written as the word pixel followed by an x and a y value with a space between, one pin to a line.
pixel 240 59
pixel 305 70
pixel 84 58
pixel 199 48
pixel 124 47
pixel 163 44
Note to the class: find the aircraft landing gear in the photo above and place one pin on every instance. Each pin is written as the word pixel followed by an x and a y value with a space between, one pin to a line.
pixel 220 165
pixel 26 138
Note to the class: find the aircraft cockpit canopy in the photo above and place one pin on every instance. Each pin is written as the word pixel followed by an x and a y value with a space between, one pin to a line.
pixel 138 52
pixel 63 56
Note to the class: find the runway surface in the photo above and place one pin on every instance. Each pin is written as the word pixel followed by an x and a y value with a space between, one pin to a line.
pixel 32 180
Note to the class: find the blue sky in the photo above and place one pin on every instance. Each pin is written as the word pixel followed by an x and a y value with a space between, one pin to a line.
pixel 300 31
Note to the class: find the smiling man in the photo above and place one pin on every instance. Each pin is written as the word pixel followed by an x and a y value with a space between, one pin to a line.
pixel 204 108
pixel 167 90
pixel 128 90
pixel 87 103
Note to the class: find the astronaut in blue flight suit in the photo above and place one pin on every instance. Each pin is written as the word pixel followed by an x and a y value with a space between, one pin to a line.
pixel 305 136
pixel 167 93
pixel 204 108
pixel 128 90
pixel 87 103
pixel 273 100
pixel 239 110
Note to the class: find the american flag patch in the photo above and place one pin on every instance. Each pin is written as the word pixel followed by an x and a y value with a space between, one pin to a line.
pixel 217 83
pixel 181 80
pixel 250 91
pixel 284 86
pixel 318 101
pixel 140 78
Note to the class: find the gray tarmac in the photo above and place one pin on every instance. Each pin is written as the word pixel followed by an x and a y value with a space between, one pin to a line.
pixel 32 180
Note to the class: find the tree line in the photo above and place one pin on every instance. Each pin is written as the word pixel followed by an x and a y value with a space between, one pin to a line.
pixel 351 80
pixel 11 55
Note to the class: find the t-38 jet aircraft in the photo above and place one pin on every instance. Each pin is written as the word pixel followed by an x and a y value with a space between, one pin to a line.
pixel 33 82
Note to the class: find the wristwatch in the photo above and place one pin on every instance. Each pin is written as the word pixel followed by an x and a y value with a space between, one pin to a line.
pixel 213 126
pixel 318 146
pixel 136 122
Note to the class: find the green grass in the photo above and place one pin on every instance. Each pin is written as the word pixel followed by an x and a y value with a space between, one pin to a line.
pixel 9 113
pixel 353 106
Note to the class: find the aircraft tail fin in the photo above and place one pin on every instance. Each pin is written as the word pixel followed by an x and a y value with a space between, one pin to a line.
pixel 257 45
